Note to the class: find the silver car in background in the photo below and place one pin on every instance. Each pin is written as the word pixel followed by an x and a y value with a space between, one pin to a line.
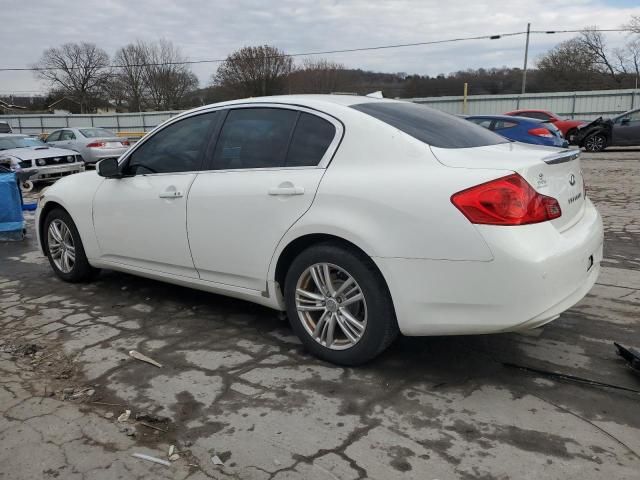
pixel 93 144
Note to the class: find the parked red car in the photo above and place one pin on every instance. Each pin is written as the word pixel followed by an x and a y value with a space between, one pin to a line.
pixel 567 127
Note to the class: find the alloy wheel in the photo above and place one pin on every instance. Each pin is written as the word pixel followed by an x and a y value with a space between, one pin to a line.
pixel 331 306
pixel 594 143
pixel 61 246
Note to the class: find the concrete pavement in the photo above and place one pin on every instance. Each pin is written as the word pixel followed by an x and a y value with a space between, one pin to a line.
pixel 236 383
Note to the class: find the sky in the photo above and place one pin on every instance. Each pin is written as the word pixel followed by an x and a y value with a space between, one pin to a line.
pixel 211 29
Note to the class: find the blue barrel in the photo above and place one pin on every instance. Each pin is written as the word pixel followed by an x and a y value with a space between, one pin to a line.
pixel 11 220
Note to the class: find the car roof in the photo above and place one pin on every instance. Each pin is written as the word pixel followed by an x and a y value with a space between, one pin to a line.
pixel 627 113
pixel 506 118
pixel 310 100
pixel 12 135
pixel 531 110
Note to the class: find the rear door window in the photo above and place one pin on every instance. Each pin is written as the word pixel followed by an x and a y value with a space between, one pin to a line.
pixel 254 138
pixel 538 115
pixel 430 126
pixel 310 141
pixel 67 135
pixel 503 124
pixel 483 122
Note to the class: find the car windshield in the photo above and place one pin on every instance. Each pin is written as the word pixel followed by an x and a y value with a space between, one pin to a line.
pixel 20 142
pixel 96 132
pixel 431 126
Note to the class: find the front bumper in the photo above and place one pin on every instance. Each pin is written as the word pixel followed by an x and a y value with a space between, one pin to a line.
pixel 536 274
pixel 51 173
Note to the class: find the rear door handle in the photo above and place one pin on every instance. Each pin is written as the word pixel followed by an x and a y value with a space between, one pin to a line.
pixel 170 194
pixel 286 191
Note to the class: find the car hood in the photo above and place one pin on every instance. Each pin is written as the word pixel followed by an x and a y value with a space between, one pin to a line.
pixel 597 121
pixel 31 153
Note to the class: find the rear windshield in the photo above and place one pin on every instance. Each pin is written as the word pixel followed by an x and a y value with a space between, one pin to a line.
pixel 431 126
pixel 96 132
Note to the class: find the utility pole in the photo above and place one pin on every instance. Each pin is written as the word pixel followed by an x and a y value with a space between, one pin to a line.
pixel 464 99
pixel 526 55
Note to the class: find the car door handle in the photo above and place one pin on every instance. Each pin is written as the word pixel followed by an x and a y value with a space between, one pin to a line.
pixel 286 191
pixel 170 194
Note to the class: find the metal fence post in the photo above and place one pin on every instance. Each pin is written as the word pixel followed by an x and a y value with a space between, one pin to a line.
pixel 573 106
pixel 66 119
pixel 19 124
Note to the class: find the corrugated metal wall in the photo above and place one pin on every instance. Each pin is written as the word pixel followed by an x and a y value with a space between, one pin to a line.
pixel 117 122
pixel 581 105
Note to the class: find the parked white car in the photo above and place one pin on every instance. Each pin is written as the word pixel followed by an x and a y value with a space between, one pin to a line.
pixel 28 154
pixel 360 217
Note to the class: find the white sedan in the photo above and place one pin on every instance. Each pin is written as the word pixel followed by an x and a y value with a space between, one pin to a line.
pixel 360 217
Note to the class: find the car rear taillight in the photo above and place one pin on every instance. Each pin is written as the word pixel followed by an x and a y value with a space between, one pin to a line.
pixel 541 132
pixel 97 145
pixel 508 200
pixel 125 143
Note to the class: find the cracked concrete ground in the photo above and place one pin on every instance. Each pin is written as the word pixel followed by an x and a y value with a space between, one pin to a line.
pixel 236 383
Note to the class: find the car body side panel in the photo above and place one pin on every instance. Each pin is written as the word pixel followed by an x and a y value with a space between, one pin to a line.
pixel 402 212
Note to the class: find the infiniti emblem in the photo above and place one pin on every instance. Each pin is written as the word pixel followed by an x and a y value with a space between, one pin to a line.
pixel 572 180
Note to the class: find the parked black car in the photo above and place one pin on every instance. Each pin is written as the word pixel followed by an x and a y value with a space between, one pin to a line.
pixel 620 131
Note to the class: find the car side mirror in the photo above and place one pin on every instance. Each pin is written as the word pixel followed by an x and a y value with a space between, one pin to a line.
pixel 625 121
pixel 108 168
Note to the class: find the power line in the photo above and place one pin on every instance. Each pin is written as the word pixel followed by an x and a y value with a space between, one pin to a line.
pixel 329 52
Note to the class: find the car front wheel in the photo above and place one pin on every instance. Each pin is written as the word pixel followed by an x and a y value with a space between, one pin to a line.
pixel 595 143
pixel 64 248
pixel 339 305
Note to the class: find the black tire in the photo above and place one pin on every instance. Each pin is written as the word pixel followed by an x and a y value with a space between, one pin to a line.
pixel 571 136
pixel 596 142
pixel 81 270
pixel 381 325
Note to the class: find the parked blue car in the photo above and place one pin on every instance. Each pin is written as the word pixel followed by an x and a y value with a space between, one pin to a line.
pixel 521 129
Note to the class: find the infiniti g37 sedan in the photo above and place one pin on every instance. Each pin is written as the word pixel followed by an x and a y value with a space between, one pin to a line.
pixel 359 217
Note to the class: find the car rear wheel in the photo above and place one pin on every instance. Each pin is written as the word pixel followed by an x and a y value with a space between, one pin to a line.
pixel 339 305
pixel 595 143
pixel 64 248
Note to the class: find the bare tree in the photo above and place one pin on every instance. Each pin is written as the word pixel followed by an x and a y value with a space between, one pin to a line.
pixel 79 70
pixel 129 75
pixel 318 76
pixel 634 24
pixel 166 79
pixel 570 64
pixel 254 71
pixel 595 44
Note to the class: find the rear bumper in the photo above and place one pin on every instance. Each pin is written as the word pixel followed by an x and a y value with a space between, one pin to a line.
pixel 536 274
pixel 94 155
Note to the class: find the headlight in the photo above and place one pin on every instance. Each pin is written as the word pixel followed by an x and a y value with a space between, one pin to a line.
pixel 41 162
pixel 70 158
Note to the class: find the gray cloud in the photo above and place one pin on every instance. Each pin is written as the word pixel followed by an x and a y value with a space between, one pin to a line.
pixel 212 29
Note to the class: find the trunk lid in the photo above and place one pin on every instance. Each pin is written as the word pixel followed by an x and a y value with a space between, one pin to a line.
pixel 110 142
pixel 550 171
